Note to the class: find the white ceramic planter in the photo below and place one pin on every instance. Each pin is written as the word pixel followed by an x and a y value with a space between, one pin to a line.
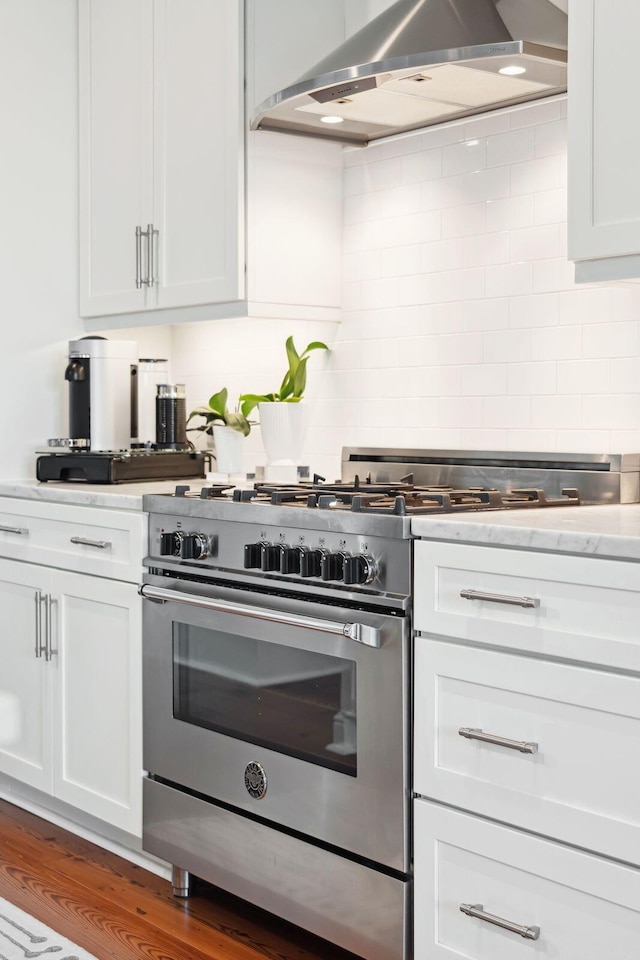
pixel 228 448
pixel 283 427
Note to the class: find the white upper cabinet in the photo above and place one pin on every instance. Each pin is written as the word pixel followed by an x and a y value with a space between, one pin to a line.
pixel 184 215
pixel 161 121
pixel 604 139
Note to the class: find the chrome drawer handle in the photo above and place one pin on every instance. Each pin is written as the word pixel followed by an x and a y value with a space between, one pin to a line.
pixel 471 733
pixel 23 531
pixel 100 544
pixel 477 910
pixel 500 598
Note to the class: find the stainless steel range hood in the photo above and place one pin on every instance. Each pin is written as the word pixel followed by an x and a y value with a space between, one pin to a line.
pixel 423 62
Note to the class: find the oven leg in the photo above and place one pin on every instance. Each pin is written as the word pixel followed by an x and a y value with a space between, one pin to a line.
pixel 180 882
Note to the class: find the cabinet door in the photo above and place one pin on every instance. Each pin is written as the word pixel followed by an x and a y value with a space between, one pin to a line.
pixel 116 151
pixel 25 672
pixel 97 697
pixel 199 159
pixel 604 139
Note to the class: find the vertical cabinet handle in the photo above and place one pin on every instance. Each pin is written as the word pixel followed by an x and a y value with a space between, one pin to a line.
pixel 44 626
pixel 150 279
pixel 477 910
pixel 138 257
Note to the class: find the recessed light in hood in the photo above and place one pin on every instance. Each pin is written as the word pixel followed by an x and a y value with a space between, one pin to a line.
pixel 423 62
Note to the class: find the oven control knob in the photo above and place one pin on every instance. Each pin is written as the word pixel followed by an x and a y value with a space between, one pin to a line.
pixel 332 566
pixel 171 544
pixel 310 562
pixel 252 556
pixel 195 546
pixel 270 557
pixel 359 569
pixel 289 559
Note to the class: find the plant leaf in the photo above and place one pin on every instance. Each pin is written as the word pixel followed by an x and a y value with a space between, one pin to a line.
pixel 300 379
pixel 314 345
pixel 248 401
pixel 218 403
pixel 240 423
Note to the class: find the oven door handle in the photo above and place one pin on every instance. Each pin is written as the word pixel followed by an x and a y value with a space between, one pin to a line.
pixel 360 632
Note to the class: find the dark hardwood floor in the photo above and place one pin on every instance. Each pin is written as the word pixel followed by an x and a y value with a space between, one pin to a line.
pixel 119 911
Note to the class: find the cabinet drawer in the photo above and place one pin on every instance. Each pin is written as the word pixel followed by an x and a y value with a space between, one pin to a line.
pixel 581 608
pixel 105 543
pixel 584 908
pixel 579 782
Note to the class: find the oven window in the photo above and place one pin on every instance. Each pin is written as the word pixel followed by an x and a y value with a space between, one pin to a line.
pixel 298 703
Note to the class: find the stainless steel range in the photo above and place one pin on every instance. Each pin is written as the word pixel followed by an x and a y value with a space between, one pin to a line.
pixel 277 677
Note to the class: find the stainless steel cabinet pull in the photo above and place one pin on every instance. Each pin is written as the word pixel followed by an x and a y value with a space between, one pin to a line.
pixel 477 910
pixel 359 632
pixel 40 649
pixel 49 652
pixel 150 279
pixel 470 733
pixel 150 266
pixel 100 544
pixel 23 531
pixel 138 257
pixel 499 598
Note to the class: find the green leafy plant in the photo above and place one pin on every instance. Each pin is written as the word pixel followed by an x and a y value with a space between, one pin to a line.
pixel 293 383
pixel 218 412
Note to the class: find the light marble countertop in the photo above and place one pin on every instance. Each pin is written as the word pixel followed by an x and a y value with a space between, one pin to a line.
pixel 117 496
pixel 600 531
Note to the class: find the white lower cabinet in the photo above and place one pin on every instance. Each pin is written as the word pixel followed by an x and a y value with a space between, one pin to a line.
pixel 70 650
pixel 551 901
pixel 526 734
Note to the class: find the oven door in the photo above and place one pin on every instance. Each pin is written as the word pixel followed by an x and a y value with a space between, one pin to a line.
pixel 293 711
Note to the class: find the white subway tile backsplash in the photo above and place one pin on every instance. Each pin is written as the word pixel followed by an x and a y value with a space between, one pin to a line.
pixel 511 413
pixel 610 340
pixel 464 157
pixel 556 343
pixel 510 214
pixel 552 275
pixel 533 176
pixel 536 243
pixel 550 206
pixel 486 185
pixel 549 413
pixel 442 255
pixel 486 249
pixel 513 147
pixel 584 376
pixel 507 346
pixel 611 412
pixel 541 112
pixel 483 379
pixel 486 314
pixel 551 138
pixel 534 310
pixel 532 379
pixel 464 221
pixel 509 280
pixel 462 324
pixel 422 227
pixel 418 167
pixel 625 375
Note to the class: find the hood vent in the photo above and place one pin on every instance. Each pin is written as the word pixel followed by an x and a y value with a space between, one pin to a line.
pixel 423 62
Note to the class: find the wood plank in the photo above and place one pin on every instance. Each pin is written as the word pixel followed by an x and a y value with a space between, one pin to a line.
pixel 82 890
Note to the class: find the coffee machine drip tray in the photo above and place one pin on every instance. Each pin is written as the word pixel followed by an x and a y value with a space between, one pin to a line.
pixel 120 466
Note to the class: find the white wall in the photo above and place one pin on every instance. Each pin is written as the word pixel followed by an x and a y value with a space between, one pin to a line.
pixel 38 221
